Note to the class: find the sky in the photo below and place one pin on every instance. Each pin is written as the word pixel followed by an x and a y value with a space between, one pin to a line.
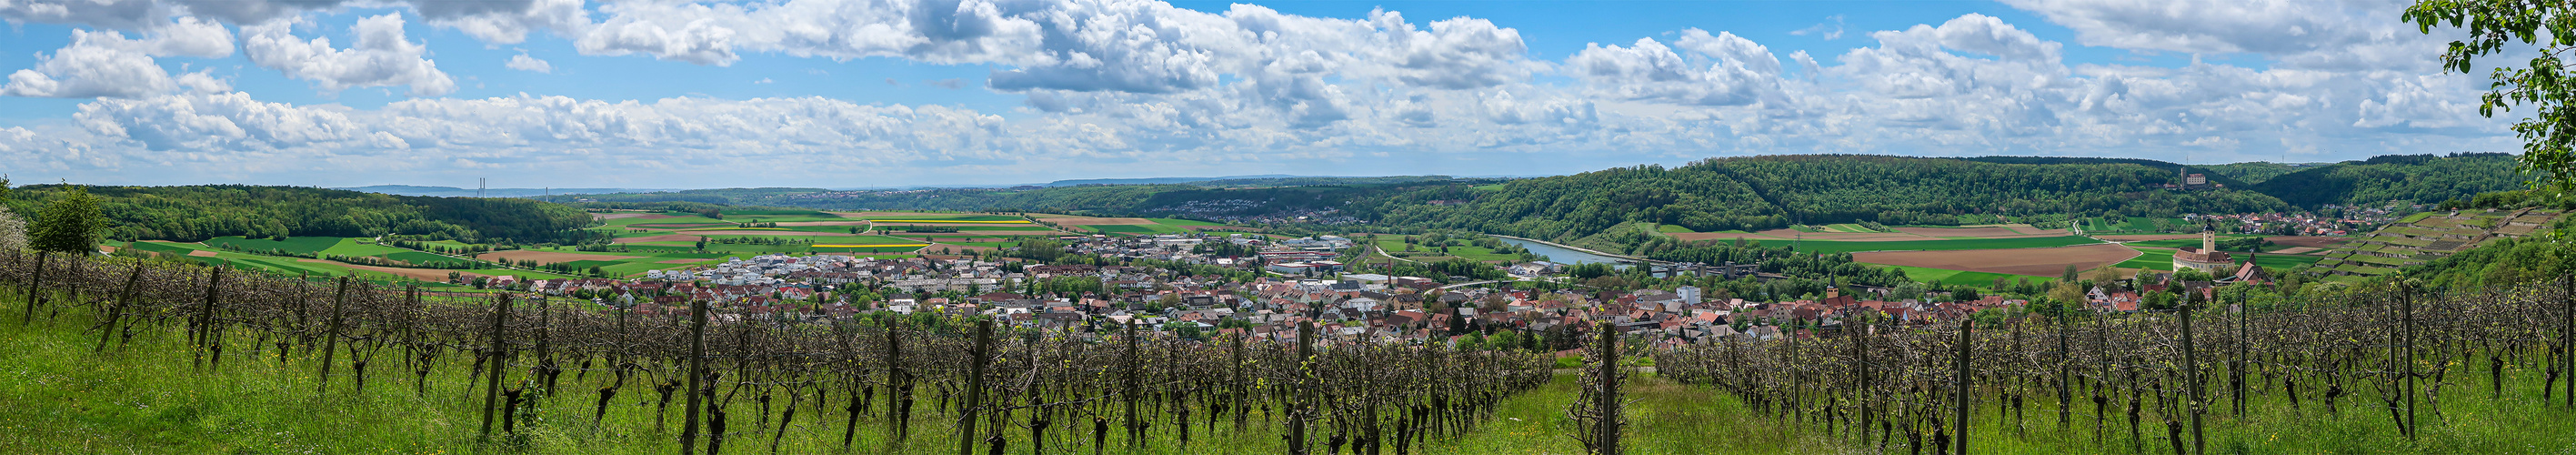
pixel 892 93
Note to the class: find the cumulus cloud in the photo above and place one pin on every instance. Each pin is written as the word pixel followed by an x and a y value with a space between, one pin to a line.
pixel 382 57
pixel 2341 34
pixel 95 64
pixel 1720 70
pixel 1130 81
pixel 523 62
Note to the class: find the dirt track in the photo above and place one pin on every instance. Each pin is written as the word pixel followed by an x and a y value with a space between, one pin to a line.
pixel 2023 261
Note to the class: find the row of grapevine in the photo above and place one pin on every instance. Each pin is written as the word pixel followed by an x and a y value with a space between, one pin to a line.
pixel 713 381
pixel 2151 381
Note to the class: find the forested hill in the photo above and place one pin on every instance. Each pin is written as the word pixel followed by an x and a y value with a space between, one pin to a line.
pixel 2424 179
pixel 1770 192
pixel 1747 193
pixel 194 213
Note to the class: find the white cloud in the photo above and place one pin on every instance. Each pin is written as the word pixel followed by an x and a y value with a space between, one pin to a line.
pixel 1721 70
pixel 95 64
pixel 1113 84
pixel 523 62
pixel 382 57
pixel 2333 34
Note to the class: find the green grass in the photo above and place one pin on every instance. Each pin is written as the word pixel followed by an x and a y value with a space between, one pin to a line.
pixel 1122 229
pixel 526 274
pixel 1672 229
pixel 297 245
pixel 1182 222
pixel 1847 227
pixel 419 258
pixel 935 218
pixel 2418 216
pixel 992 227
pixel 2161 259
pixel 1827 246
pixel 352 247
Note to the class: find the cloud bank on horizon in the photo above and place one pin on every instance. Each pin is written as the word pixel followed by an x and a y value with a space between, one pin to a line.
pixel 1129 87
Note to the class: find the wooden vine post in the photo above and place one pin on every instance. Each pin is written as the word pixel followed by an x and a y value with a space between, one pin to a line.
pixel 697 373
pixel 35 286
pixel 1129 364
pixel 2567 332
pixel 492 393
pixel 1960 408
pixel 206 314
pixel 116 311
pixel 1609 406
pixel 1305 370
pixel 331 335
pixel 983 353
pixel 2191 376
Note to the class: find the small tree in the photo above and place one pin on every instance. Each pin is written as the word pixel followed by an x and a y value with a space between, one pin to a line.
pixel 70 225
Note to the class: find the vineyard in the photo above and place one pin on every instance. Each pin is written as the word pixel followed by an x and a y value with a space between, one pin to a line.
pixel 586 378
pixel 2386 369
pixel 2374 370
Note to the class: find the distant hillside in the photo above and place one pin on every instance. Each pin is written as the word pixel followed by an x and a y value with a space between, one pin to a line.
pixel 446 191
pixel 1745 193
pixel 2257 172
pixel 1158 180
pixel 2424 179
pixel 195 213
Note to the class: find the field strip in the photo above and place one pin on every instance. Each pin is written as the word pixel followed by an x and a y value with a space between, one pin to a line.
pixel 873 245
pixel 952 221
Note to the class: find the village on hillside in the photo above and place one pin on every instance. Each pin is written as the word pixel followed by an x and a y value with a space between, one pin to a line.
pixel 1297 283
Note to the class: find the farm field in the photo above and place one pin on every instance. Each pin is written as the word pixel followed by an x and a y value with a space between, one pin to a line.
pixel 1856 233
pixel 2162 259
pixel 1962 277
pixel 2046 262
pixel 1823 246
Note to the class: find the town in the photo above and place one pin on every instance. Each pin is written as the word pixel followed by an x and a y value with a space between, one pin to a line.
pixel 1291 282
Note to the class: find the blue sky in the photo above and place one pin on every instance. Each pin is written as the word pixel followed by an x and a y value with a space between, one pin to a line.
pixel 875 93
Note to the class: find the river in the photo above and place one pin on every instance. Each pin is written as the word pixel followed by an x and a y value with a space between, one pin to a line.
pixel 1561 255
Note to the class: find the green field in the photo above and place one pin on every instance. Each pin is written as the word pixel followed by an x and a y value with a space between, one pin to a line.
pixel 1672 229
pixel 1846 227
pixel 1124 229
pixel 296 245
pixel 1825 246
pixel 1182 222
pixel 1961 277
pixel 996 227
pixel 360 247
pixel 943 218
pixel 2162 259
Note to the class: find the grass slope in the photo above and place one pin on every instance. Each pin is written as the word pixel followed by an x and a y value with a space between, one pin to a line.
pixel 1827 246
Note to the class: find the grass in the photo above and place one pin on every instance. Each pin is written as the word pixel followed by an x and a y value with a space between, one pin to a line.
pixel 297 245
pixel 1828 246
pixel 1182 222
pixel 1122 229
pixel 972 219
pixel 1961 277
pixel 2162 259
pixel 357 247
pixel 1672 229
pixel 145 397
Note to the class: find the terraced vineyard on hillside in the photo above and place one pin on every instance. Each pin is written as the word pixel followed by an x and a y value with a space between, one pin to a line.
pixel 2427 236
